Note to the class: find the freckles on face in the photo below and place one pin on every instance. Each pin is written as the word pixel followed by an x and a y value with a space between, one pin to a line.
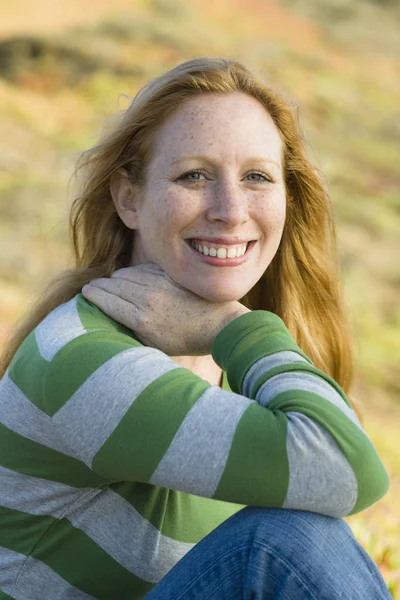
pixel 163 216
pixel 272 211
pixel 225 140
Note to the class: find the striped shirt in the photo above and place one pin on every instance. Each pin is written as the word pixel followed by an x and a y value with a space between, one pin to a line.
pixel 115 461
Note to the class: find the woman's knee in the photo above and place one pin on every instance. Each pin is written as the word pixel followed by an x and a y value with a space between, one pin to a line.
pixel 312 548
pixel 299 528
pixel 297 537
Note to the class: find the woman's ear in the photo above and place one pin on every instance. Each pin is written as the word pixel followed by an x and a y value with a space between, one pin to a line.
pixel 124 194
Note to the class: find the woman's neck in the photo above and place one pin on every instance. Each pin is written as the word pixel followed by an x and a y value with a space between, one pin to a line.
pixel 203 366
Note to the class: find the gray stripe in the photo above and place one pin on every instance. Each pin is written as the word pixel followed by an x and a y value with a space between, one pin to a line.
pixel 58 328
pixel 38 496
pixel 114 524
pixel 20 415
pixel 36 581
pixel 265 364
pixel 321 479
pixel 295 380
pixel 107 518
pixel 196 457
pixel 94 411
pixel 10 565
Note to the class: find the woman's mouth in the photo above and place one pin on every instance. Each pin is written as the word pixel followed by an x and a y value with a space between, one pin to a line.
pixel 219 257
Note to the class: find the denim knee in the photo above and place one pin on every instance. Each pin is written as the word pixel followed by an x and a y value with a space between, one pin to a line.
pixel 304 526
pixel 268 553
pixel 313 547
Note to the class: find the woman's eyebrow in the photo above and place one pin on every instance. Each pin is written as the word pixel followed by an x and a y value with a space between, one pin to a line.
pixel 210 160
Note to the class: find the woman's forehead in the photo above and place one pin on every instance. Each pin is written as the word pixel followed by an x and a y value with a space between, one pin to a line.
pixel 202 107
pixel 216 124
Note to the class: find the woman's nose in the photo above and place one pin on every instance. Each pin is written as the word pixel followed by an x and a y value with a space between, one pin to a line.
pixel 229 203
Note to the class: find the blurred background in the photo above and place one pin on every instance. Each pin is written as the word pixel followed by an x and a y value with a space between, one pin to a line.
pixel 66 66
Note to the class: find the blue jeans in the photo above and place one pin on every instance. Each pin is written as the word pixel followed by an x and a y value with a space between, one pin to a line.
pixel 275 554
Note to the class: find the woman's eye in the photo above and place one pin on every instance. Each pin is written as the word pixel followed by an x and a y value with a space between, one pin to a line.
pixel 264 177
pixel 186 176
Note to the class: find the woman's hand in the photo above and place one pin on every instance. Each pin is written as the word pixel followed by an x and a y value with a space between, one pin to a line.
pixel 162 314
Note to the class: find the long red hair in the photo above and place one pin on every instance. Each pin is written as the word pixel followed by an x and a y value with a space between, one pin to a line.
pixel 302 284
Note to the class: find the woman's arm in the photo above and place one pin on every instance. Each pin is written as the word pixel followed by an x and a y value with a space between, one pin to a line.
pixel 286 436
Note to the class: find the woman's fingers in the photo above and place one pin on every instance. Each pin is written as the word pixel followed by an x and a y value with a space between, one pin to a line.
pixel 148 267
pixel 136 273
pixel 112 304
pixel 149 275
pixel 127 289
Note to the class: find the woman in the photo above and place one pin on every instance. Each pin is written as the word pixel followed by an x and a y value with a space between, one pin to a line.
pixel 156 427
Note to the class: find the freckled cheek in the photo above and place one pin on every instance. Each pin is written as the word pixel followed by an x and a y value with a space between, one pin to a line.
pixel 173 218
pixel 180 209
pixel 272 215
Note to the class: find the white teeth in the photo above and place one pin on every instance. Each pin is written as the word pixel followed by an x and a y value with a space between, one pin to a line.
pixel 231 252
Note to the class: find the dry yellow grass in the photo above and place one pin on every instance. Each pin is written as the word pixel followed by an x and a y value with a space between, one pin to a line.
pixel 378 528
pixel 47 16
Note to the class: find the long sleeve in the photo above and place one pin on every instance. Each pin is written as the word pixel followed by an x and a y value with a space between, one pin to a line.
pixel 285 436
pixel 323 459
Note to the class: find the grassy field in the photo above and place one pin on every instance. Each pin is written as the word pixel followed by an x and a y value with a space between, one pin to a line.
pixel 329 58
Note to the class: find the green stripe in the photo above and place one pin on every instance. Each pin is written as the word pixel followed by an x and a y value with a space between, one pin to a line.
pixel 136 446
pixel 27 370
pixel 20 531
pixel 257 469
pixel 80 561
pixel 372 479
pixel 190 518
pixel 74 363
pixel 31 458
pixel 180 516
pixel 299 367
pixel 70 553
pixel 248 338
pixel 92 318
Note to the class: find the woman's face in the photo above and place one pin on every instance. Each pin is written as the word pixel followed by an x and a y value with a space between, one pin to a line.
pixel 232 149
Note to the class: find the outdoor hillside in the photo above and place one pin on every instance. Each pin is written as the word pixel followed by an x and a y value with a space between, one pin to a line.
pixel 63 70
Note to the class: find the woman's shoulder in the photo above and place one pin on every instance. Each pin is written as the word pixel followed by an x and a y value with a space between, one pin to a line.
pixel 80 330
pixel 71 343
pixel 76 324
pixel 77 319
pixel 68 322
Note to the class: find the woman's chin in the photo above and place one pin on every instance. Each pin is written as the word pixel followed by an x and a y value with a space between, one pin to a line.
pixel 221 295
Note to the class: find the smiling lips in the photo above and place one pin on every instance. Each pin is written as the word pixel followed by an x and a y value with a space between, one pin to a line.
pixel 218 256
pixel 233 251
